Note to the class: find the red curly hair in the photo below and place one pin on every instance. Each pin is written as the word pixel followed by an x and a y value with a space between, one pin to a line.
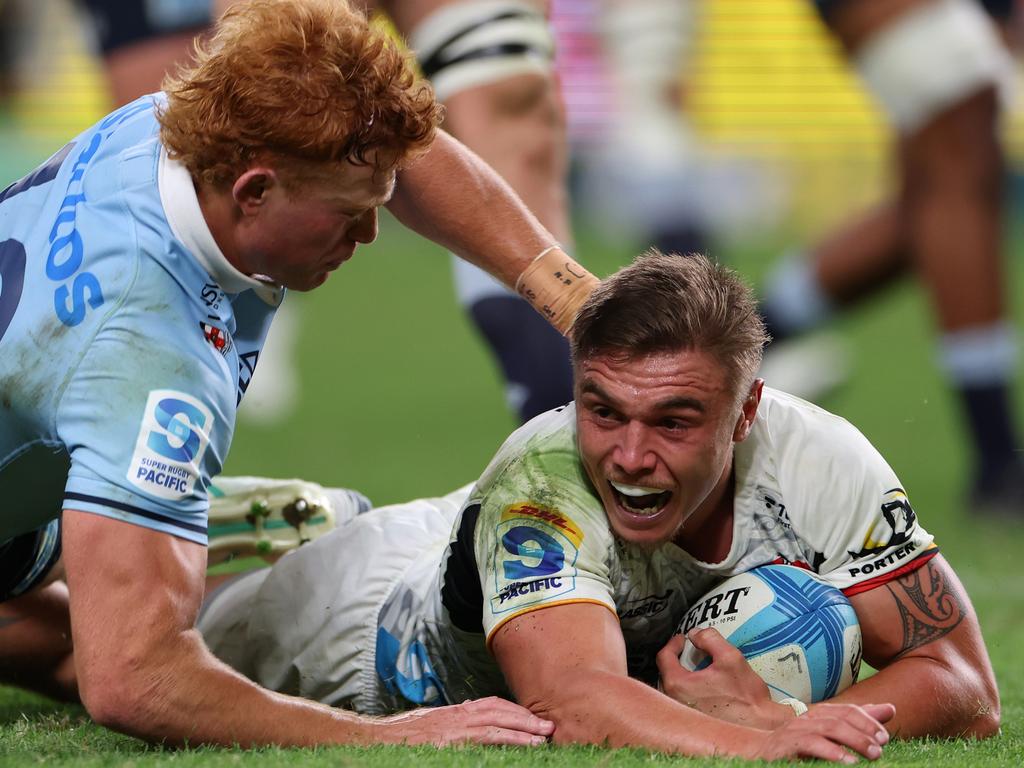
pixel 309 82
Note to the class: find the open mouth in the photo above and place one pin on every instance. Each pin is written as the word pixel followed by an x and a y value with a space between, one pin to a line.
pixel 640 500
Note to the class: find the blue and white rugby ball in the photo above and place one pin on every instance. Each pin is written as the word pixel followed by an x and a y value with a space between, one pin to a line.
pixel 798 633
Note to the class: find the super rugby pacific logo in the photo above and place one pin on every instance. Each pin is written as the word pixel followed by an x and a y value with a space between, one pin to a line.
pixel 172 438
pixel 521 588
pixel 537 556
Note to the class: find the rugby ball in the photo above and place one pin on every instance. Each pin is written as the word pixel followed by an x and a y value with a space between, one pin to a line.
pixel 800 634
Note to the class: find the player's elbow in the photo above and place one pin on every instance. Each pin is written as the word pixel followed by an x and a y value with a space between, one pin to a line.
pixel 544 703
pixel 563 706
pixel 973 699
pixel 985 724
pixel 985 714
pixel 982 711
pixel 109 704
pixel 116 697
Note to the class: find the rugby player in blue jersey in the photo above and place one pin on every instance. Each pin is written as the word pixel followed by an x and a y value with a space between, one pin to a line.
pixel 491 62
pixel 140 268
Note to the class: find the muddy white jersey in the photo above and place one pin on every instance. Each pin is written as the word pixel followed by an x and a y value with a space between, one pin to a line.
pixel 809 490
pixel 397 606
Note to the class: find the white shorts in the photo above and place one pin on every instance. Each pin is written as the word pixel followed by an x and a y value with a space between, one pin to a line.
pixel 308 626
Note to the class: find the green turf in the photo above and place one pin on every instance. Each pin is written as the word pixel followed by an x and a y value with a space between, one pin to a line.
pixel 399 400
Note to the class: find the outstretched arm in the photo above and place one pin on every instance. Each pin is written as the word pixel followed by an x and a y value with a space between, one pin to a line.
pixel 922 634
pixel 143 669
pixel 567 663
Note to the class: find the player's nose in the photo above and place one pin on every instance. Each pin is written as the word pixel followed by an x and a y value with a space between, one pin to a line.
pixel 632 453
pixel 364 229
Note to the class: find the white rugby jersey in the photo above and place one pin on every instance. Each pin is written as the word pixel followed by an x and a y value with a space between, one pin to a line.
pixel 810 490
pixel 434 583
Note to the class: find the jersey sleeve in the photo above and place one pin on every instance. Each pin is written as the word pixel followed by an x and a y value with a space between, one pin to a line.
pixel 541 540
pixel 147 419
pixel 847 503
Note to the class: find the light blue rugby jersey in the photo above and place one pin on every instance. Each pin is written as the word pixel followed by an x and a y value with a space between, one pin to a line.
pixel 126 338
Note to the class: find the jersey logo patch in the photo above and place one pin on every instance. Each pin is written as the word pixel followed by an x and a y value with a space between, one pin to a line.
pixel 173 436
pixel 550 516
pixel 536 558
pixel 895 526
pixel 217 337
pixel 645 607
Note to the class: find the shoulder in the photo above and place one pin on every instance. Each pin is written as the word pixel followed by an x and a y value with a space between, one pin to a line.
pixel 790 421
pixel 546 442
pixel 824 470
pixel 841 497
pixel 801 444
pixel 541 538
pixel 539 465
pixel 539 503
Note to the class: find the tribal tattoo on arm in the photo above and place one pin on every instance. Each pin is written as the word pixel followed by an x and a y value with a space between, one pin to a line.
pixel 930 606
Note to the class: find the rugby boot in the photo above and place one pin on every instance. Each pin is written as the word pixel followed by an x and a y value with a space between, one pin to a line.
pixel 258 516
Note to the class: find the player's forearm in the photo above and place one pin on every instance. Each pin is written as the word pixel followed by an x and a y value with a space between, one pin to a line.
pixel 182 694
pixel 617 711
pixel 932 698
pixel 452 197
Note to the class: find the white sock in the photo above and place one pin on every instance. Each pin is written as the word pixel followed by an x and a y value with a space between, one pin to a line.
pixel 980 355
pixel 793 297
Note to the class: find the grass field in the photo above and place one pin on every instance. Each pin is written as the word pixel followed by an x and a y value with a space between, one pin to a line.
pixel 399 400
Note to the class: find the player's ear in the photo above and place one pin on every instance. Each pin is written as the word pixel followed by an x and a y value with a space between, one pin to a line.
pixel 748 411
pixel 250 189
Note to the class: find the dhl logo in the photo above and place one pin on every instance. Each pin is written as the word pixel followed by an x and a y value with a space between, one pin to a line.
pixel 551 517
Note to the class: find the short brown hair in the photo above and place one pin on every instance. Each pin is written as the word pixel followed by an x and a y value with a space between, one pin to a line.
pixel 667 302
pixel 309 81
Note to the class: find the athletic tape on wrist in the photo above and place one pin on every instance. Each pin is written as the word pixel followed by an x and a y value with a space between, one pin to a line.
pixel 798 707
pixel 556 285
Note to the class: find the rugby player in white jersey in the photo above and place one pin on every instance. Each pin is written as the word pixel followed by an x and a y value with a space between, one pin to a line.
pixel 560 576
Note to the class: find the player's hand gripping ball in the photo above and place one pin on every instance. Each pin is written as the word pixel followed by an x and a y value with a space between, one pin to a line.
pixel 798 633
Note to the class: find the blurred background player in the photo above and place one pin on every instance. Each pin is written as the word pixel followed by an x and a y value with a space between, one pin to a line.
pixel 491 63
pixel 945 221
pixel 140 42
pixel 936 67
pixel 642 173
pixel 645 173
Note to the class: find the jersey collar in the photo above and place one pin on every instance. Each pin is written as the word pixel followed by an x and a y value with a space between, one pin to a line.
pixel 185 217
